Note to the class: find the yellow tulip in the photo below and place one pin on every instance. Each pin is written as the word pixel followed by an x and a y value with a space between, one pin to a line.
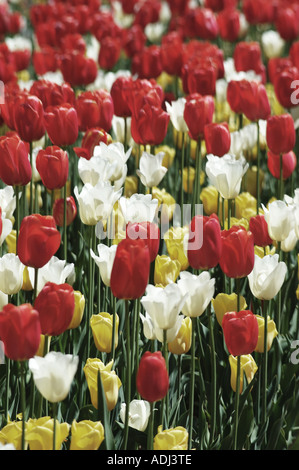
pixel 271 333
pixel 248 366
pixel 261 252
pixel 166 270
pixel 86 435
pixel 174 240
pixel 209 199
pixel 245 205
pixel 39 433
pixel 250 180
pixel 171 439
pixel 130 186
pixel 182 343
pixel 227 303
pixel 11 241
pixel 235 221
pixel 26 280
pixel 166 203
pixel 111 382
pixel 79 310
pixel 297 292
pixel 12 434
pixel 101 326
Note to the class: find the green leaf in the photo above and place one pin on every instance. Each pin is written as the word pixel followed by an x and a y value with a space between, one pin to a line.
pixel 104 416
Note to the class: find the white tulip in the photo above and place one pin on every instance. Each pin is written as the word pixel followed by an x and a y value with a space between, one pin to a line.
pixel 272 44
pixel 148 326
pixel 267 276
pixel 105 261
pixel 115 154
pixel 139 412
pixel 289 243
pixel 280 219
pixel 163 305
pixel 176 112
pixel 226 173
pixel 8 201
pixel 151 171
pixel 118 128
pixel 53 374
pixel 6 227
pixel 293 202
pixel 56 270
pixel 171 333
pixel 199 290
pixel 96 202
pixel 138 208
pixel 11 274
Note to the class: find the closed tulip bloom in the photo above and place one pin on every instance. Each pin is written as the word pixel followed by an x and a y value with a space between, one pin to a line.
pixel 240 331
pixel 267 276
pixel 149 125
pixel 167 270
pixel 259 227
pixel 11 274
pixel 152 379
pixel 248 367
pixel 171 439
pixel 217 138
pixel 53 374
pixel 198 292
pixel 58 211
pixel 15 168
pixel 280 220
pixel 52 163
pixel 175 239
pixel 182 342
pixel 139 413
pixel 271 333
pixel 101 326
pixel 289 163
pixel 198 112
pixel 151 170
pixel 237 259
pixel 163 305
pixel 117 90
pixel 29 118
pixel 280 133
pixel 55 304
pixel 38 240
pixel 130 270
pixel 204 243
pixel 78 311
pixel 86 435
pixel 61 124
pixel 104 260
pixel 110 381
pixel 20 331
pixel 283 86
pixel 224 303
pixel 226 173
pixel 148 231
pixel 176 112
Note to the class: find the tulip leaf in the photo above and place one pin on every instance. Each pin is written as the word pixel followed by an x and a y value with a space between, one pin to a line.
pixel 104 417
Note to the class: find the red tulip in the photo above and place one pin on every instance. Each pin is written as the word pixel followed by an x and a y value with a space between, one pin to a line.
pixel 55 304
pixel 240 331
pixel 52 163
pixel 249 98
pixel 29 118
pixel 152 379
pixel 258 11
pixel 117 92
pixel 237 258
pixel 78 69
pixel 130 270
pixel 289 162
pixel 147 231
pixel 15 168
pixel 38 240
pixel 61 123
pixel 217 138
pixel 198 112
pixel 58 211
pixel 247 56
pixel 95 109
pixel 45 60
pixel 109 52
pixel 280 133
pixel 53 94
pixel 286 23
pixel 147 63
pixel 229 24
pixel 204 244
pixel 172 53
pixel 202 77
pixel 259 228
pixel 134 40
pixel 285 92
pixel 20 331
pixel 277 64
pixel 149 125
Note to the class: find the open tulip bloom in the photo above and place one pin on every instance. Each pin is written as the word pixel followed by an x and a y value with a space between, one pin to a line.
pixel 149 226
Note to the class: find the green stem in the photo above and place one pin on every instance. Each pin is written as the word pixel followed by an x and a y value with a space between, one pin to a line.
pixel 54 424
pixel 31 181
pixel 150 434
pixel 192 382
pixel 35 284
pixel 214 379
pixel 64 224
pixel 23 401
pixel 280 196
pixel 128 374
pixel 113 328
pixel 166 398
pixel 258 196
pixel 237 401
pixel 17 193
pixel 7 378
pixel 182 184
pixel 265 364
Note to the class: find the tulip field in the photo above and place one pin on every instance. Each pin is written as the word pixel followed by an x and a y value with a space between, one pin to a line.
pixel 149 226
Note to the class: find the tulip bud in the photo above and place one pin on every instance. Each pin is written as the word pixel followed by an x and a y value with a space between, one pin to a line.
pixel 152 377
pixel 237 259
pixel 248 366
pixel 240 331
pixel 166 270
pixel 79 310
pixel 271 333
pixel 58 211
pixel 224 303
pixel 52 163
pixel 280 133
pixel 182 342
pixel 101 326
